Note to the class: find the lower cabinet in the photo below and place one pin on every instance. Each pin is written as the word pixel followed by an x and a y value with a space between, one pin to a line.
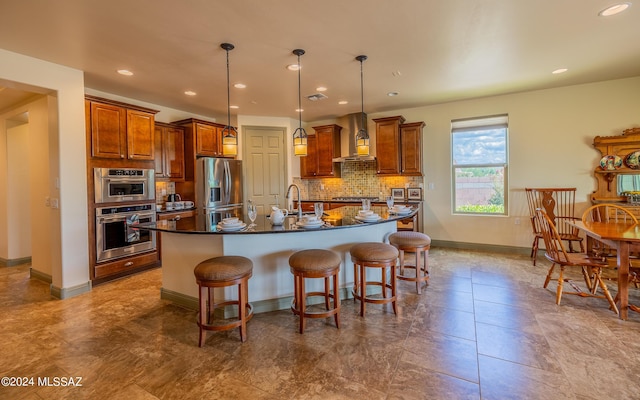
pixel 124 266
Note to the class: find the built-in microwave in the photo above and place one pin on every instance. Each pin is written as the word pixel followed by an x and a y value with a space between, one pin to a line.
pixel 123 184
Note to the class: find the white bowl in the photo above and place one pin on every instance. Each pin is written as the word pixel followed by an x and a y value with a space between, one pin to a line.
pixel 230 221
pixel 365 213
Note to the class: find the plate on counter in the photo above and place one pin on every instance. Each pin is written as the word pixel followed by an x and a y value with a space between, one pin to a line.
pixel 368 219
pixel 315 225
pixel 610 163
pixel 232 228
pixel 633 160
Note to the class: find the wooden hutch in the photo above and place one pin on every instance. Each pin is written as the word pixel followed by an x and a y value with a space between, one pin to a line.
pixel 618 174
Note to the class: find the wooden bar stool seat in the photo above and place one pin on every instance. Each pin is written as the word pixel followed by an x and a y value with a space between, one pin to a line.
pixel 222 272
pixel 315 263
pixel 374 255
pixel 413 242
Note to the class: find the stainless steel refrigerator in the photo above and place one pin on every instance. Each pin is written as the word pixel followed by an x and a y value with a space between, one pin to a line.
pixel 218 190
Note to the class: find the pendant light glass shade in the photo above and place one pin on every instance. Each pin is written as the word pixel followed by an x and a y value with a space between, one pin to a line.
pixel 362 137
pixel 299 135
pixel 229 133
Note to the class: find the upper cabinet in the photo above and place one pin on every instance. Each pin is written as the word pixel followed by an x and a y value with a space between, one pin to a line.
pixel 119 130
pixel 201 139
pixel 388 145
pixel 203 136
pixel 169 152
pixel 323 145
pixel 398 146
pixel 411 148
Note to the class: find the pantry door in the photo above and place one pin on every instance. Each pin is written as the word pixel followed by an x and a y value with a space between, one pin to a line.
pixel 265 166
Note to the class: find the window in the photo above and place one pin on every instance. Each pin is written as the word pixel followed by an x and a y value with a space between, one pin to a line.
pixel 479 163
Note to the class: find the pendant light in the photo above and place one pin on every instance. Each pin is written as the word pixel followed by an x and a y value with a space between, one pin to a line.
pixel 299 135
pixel 229 133
pixel 362 137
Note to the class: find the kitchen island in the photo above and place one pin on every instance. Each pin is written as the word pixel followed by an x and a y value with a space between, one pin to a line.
pixel 188 241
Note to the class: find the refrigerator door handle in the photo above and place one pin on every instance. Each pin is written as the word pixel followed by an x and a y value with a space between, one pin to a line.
pixel 227 182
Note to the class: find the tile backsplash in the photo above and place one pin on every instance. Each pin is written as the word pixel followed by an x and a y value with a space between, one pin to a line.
pixel 358 179
pixel 164 188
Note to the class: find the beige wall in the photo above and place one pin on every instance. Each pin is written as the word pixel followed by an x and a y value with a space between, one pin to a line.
pixel 550 144
pixel 18 233
pixel 64 123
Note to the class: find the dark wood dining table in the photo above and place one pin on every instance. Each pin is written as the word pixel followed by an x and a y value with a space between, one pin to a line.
pixel 622 237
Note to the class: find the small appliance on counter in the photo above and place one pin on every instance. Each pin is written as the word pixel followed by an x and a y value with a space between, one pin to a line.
pixel 173 198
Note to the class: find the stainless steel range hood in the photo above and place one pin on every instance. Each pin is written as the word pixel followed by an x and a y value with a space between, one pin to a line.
pixel 351 124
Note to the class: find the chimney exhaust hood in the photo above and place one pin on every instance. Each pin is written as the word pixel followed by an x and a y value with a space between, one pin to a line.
pixel 351 124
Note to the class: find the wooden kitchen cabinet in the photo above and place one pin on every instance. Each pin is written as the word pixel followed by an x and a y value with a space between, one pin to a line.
pixel 388 145
pixel 201 139
pixel 411 148
pixel 204 137
pixel 398 146
pixel 322 147
pixel 120 131
pixel 169 152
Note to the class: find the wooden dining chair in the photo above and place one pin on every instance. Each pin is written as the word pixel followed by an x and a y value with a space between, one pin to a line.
pixel 591 268
pixel 559 205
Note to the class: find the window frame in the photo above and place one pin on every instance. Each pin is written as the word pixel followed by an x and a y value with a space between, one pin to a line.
pixel 475 124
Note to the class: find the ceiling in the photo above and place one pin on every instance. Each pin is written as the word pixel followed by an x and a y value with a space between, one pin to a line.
pixel 428 51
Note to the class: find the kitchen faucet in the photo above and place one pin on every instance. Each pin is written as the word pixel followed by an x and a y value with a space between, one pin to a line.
pixel 299 200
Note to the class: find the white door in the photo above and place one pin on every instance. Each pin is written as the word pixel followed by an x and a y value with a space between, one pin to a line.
pixel 264 156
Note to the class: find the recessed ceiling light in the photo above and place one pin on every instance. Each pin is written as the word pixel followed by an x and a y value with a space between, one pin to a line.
pixel 293 67
pixel 559 71
pixel 125 72
pixel 234 107
pixel 396 73
pixel 614 9
pixel 392 94
pixel 299 109
pixel 342 102
pixel 239 86
pixel 321 89
pixel 190 93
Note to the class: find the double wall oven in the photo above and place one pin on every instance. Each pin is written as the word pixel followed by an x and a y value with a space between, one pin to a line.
pixel 124 197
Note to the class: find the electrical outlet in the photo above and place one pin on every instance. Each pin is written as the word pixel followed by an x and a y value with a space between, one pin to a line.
pixel 516 221
pixel 432 185
pixel 54 203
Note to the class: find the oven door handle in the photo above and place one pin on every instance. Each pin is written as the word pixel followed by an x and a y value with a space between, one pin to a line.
pixel 131 232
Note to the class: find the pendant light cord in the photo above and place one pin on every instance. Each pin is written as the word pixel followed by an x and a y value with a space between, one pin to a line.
pixel 362 90
pixel 228 97
pixel 299 97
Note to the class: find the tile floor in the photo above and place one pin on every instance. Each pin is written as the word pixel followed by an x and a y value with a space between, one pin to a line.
pixel 484 328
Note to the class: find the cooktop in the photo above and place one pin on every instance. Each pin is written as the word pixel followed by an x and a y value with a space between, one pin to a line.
pixel 355 198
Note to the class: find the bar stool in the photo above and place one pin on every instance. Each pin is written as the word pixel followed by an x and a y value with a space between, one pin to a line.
pixel 222 272
pixel 315 263
pixel 413 242
pixel 374 255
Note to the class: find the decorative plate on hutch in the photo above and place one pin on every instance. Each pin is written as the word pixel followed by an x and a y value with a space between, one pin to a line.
pixel 633 160
pixel 609 163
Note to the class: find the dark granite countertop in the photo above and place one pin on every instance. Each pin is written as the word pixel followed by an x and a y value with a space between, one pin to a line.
pixel 339 218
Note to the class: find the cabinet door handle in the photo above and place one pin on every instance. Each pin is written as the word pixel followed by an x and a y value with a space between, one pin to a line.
pixel 121 155
pixel 128 264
